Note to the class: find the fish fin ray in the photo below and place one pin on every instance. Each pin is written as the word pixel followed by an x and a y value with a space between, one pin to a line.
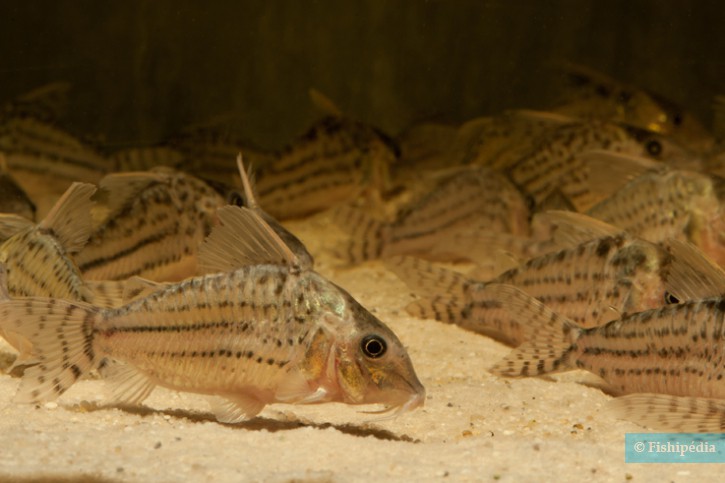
pixel 241 239
pixel 323 103
pixel 61 334
pixel 122 188
pixel 692 275
pixel 425 278
pixel 612 170
pixel 572 229
pixel 11 224
pixel 665 412
pixel 70 218
pixel 548 340
pixel 107 293
pixel 235 410
pixel 368 236
pixel 127 385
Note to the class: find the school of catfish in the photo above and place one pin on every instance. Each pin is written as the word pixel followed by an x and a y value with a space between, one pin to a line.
pixel 587 236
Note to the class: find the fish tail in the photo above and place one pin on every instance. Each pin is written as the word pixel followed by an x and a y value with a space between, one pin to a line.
pixel 443 291
pixel 368 236
pixel 550 337
pixel 672 413
pixel 62 337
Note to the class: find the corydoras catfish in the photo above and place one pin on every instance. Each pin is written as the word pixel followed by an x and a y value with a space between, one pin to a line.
pixel 674 352
pixel 249 335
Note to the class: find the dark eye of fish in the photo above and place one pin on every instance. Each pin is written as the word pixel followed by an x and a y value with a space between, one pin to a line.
pixel 671 299
pixel 677 119
pixel 235 198
pixel 654 148
pixel 373 346
pixel 624 97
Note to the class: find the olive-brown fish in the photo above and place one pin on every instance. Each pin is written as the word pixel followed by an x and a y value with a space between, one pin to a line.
pixel 336 161
pixel 473 198
pixel 674 350
pixel 151 226
pixel 250 336
pixel 591 283
pixel 38 258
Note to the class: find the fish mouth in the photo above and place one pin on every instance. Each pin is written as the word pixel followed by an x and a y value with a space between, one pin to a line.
pixel 391 411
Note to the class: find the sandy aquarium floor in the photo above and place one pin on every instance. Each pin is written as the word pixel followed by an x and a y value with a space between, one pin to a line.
pixel 474 426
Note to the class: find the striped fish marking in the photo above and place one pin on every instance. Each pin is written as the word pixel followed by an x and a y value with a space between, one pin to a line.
pixel 591 283
pixel 152 224
pixel 256 334
pixel 336 161
pixel 38 258
pixel 675 349
pixel 472 198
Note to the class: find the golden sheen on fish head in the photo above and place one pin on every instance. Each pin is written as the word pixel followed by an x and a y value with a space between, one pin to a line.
pixel 642 269
pixel 366 362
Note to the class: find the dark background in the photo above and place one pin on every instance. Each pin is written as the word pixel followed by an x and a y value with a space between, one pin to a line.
pixel 141 70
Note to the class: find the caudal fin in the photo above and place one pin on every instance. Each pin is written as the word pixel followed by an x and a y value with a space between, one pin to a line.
pixel 672 413
pixel 442 291
pixel 61 334
pixel 549 340
pixel 368 236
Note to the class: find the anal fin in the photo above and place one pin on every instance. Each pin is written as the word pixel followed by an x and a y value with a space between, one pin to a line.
pixel 236 410
pixel 672 413
pixel 128 385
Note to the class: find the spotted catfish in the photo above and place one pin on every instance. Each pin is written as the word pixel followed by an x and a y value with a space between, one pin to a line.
pixel 150 224
pixel 660 203
pixel 592 94
pixel 675 350
pixel 554 167
pixel 250 335
pixel 38 258
pixel 591 283
pixel 474 197
pixel 336 161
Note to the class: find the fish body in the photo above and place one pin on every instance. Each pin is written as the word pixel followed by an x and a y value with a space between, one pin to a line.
pixel 475 197
pixel 336 161
pixel 554 165
pixel 591 284
pixel 38 258
pixel 151 225
pixel 675 349
pixel 255 335
pixel 663 204
pixel 593 94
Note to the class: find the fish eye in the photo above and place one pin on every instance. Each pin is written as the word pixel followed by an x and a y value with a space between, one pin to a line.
pixel 235 198
pixel 654 148
pixel 373 346
pixel 624 97
pixel 671 299
pixel 677 119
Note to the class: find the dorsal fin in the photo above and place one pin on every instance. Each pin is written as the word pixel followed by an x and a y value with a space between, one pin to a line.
pixel 10 224
pixel 609 170
pixel 692 275
pixel 531 115
pixel 242 238
pixel 324 103
pixel 70 218
pixel 573 228
pixel 250 195
pixel 121 188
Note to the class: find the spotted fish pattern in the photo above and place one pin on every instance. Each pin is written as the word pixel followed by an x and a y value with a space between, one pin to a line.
pixel 473 198
pixel 152 226
pixel 336 161
pixel 262 333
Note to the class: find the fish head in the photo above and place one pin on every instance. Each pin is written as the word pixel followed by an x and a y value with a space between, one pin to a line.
pixel 370 365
